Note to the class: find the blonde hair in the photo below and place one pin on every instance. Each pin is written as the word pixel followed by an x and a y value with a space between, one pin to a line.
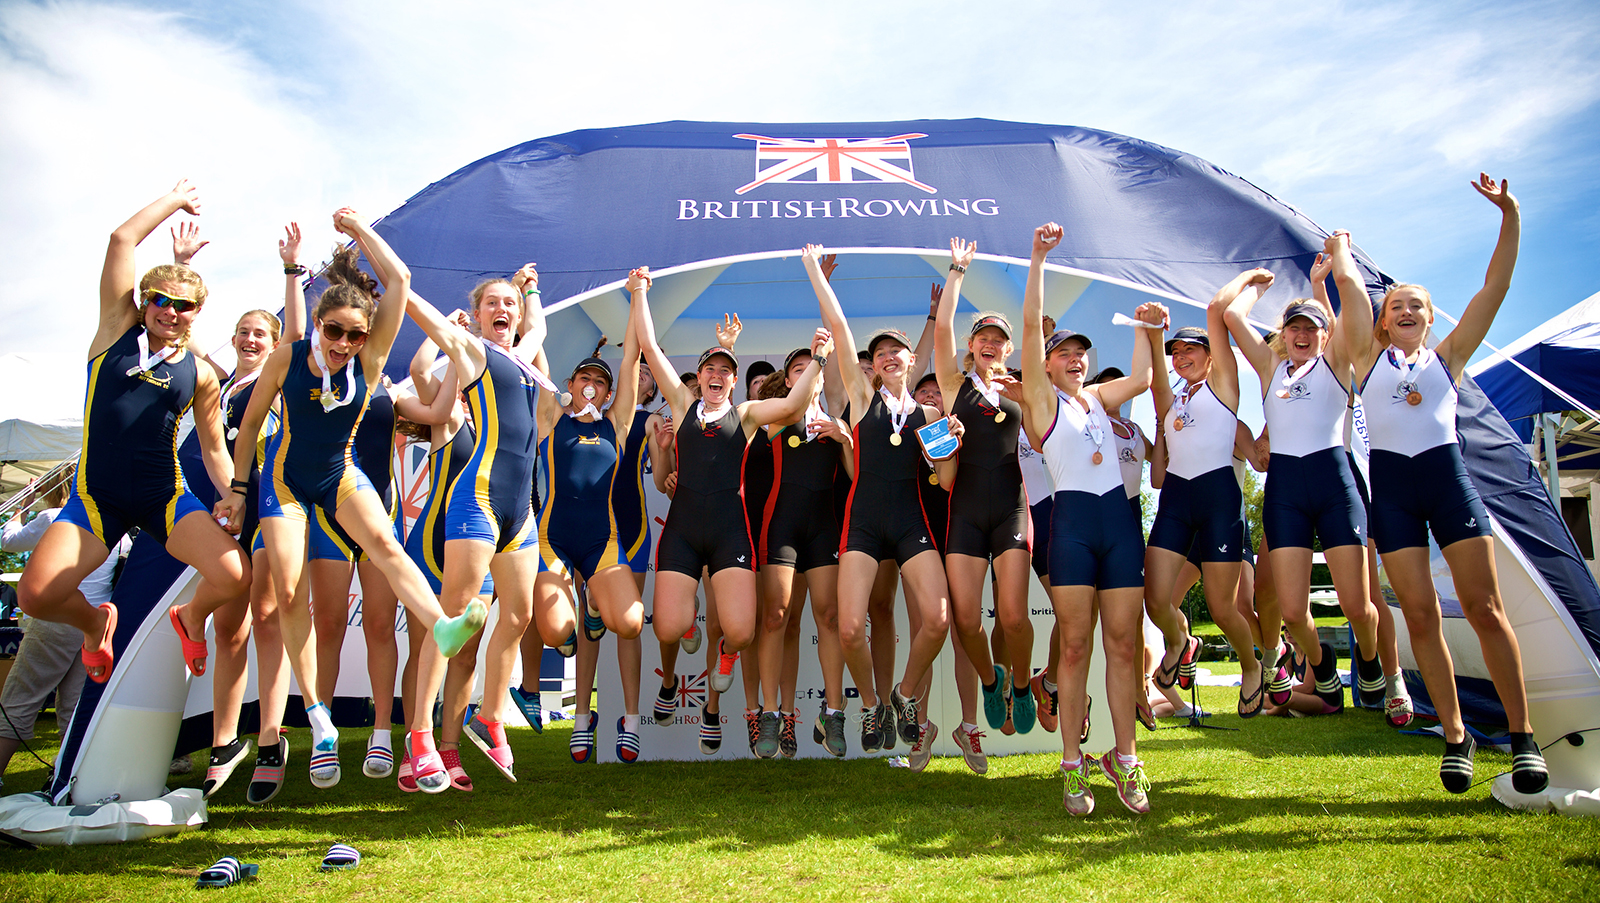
pixel 1276 342
pixel 1380 332
pixel 172 272
pixel 274 325
pixel 999 365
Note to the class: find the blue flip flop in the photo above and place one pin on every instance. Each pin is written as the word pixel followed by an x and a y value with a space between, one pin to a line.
pixel 226 872
pixel 340 856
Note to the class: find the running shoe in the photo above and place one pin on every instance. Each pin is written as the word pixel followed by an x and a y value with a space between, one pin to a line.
pixel 829 732
pixel 379 762
pixel 627 743
pixel 764 741
pixel 722 678
pixel 710 731
pixel 1528 771
pixel 1329 687
pixel 528 703
pixel 1397 709
pixel 1076 797
pixel 271 764
pixel 1455 771
pixel 490 736
pixel 905 715
pixel 691 639
pixel 923 750
pixel 224 759
pixel 1188 664
pixel 752 724
pixel 872 730
pixel 1044 702
pixel 994 699
pixel 1023 710
pixel 886 725
pixel 788 744
pixel 971 746
pixel 666 710
pixel 581 746
pixel 1133 788
pixel 594 627
pixel 459 779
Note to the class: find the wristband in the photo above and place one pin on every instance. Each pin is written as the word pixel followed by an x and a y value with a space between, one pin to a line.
pixel 238 491
pixel 957 268
pixel 239 484
pixel 932 318
pixel 296 270
pixel 531 291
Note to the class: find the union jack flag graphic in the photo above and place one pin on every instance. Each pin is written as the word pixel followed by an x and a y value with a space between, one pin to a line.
pixel 411 473
pixel 834 160
pixel 691 689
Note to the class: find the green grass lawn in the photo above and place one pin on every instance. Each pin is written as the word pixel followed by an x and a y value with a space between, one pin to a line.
pixel 1341 808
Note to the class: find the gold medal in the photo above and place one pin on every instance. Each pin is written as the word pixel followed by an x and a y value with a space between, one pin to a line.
pixel 1413 398
pixel 933 479
pixel 1000 417
pixel 1097 458
pixel 894 438
pixel 794 441
pixel 1177 426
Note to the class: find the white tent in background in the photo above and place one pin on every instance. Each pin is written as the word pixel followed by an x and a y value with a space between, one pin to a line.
pixel 41 415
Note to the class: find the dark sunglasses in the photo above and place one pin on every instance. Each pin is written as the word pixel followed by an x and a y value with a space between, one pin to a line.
pixel 333 332
pixel 181 305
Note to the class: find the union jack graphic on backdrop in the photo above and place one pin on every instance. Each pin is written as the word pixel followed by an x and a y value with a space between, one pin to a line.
pixel 691 689
pixel 412 475
pixel 834 160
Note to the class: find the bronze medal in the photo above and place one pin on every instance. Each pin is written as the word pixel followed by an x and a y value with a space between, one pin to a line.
pixel 1000 417
pixel 1413 398
pixel 894 438
pixel 933 479
pixel 1283 393
pixel 794 441
pixel 1177 426
pixel 1097 458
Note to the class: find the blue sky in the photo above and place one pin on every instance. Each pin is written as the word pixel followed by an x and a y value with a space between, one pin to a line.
pixel 1367 116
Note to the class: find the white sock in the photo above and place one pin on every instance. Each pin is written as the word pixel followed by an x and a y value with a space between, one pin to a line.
pixel 833 711
pixel 1049 685
pixel 1126 763
pixel 380 737
pixel 968 728
pixel 324 736
pixel 1074 765
pixel 630 723
pixel 1395 684
pixel 1274 654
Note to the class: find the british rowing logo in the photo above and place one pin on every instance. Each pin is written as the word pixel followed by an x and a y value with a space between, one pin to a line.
pixel 834 160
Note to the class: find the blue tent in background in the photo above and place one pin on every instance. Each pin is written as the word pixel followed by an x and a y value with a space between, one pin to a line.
pixel 720 210
pixel 1565 352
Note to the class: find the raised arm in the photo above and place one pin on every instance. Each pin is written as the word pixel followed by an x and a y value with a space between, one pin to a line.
pixel 423 382
pixel 772 410
pixel 1146 348
pixel 463 349
pixel 119 309
pixel 1355 307
pixel 923 353
pixel 1236 316
pixel 856 388
pixel 728 331
pixel 268 385
pixel 294 291
pixel 677 395
pixel 396 279
pixel 1039 407
pixel 946 353
pixel 833 390
pixel 625 397
pixel 533 328
pixel 1458 347
pixel 430 413
pixel 1244 288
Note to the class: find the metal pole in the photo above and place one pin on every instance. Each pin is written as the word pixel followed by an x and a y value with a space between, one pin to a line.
pixel 1553 471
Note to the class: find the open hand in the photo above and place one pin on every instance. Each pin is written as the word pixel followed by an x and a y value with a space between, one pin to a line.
pixel 289 245
pixel 186 242
pixel 961 252
pixel 188 197
pixel 828 263
pixel 1499 194
pixel 728 331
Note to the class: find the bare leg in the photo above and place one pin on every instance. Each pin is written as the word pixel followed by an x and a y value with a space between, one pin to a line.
pixel 378 609
pixel 330 613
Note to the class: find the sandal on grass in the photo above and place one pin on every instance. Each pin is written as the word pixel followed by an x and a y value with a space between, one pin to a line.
pixel 340 857
pixel 227 871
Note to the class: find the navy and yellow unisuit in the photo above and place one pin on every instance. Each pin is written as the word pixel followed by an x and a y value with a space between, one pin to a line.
pixel 374 454
pixel 627 496
pixel 311 461
pixel 577 530
pixel 492 500
pixel 128 473
pixel 425 545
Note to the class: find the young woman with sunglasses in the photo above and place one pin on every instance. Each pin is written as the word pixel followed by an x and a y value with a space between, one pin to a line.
pixel 490 526
pixel 326 382
pixel 142 379
pixel 1420 485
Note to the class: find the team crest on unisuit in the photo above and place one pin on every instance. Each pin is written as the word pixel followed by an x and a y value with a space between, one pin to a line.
pixel 834 160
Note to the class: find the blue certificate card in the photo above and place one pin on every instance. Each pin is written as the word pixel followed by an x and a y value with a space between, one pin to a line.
pixel 936 440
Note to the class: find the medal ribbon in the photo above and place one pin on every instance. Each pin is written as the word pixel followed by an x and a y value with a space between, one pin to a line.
pixel 990 393
pixel 146 360
pixel 1395 361
pixel 899 408
pixel 1292 376
pixel 1096 432
pixel 329 402
pixel 709 417
pixel 527 369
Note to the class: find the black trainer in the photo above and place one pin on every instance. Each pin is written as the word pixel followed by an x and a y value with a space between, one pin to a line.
pixel 768 726
pixel 829 731
pixel 1329 687
pixel 1455 772
pixel 905 716
pixel 886 725
pixel 871 731
pixel 1528 773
